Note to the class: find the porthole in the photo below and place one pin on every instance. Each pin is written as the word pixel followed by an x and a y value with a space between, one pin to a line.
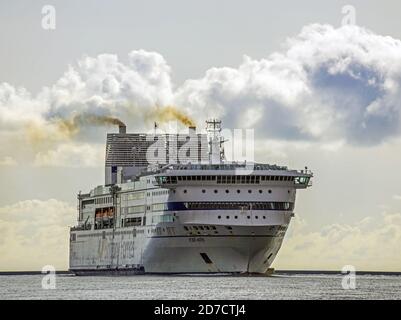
pixel 227 217
pixel 215 191
pixel 249 191
pixel 256 217
pixel 219 217
pixel 185 190
pixel 264 217
pixel 236 217
pixel 203 190
pixel 238 191
pixel 227 191
pixel 260 191
pixel 270 191
pixel 288 191
pixel 249 217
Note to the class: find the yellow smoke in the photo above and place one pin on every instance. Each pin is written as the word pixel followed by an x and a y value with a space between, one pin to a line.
pixel 72 126
pixel 61 129
pixel 169 113
pixel 65 129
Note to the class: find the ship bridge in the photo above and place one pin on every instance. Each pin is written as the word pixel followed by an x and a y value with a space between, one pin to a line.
pixel 232 173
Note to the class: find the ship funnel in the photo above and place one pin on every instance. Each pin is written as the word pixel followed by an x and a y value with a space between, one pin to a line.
pixel 192 129
pixel 122 129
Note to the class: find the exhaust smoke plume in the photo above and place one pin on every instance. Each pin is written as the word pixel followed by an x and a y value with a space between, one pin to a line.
pixel 169 113
pixel 72 126
pixel 65 129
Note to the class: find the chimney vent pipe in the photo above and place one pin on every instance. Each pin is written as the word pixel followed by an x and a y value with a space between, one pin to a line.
pixel 122 129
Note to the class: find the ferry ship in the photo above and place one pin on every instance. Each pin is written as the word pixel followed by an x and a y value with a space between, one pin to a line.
pixel 193 212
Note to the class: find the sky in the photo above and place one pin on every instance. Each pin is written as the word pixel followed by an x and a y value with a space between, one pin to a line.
pixel 317 93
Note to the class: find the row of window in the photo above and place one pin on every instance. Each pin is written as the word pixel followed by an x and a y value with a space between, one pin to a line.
pixel 103 200
pixel 130 222
pixel 237 179
pixel 133 209
pixel 236 217
pixel 160 193
pixel 160 206
pixel 285 206
pixel 133 196
pixel 228 191
pixel 190 228
pixel 163 218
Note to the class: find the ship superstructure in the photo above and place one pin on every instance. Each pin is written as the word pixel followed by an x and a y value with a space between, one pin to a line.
pixel 163 214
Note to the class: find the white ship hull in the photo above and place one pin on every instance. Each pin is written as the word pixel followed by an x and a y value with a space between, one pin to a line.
pixel 248 250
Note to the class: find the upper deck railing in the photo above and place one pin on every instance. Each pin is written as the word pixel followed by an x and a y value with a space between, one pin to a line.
pixel 225 166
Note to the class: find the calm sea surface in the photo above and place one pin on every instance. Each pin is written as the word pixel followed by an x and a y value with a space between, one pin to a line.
pixel 294 286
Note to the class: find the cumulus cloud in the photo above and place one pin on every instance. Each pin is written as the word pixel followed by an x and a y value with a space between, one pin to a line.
pixel 99 86
pixel 328 85
pixel 34 233
pixel 370 244
pixel 71 155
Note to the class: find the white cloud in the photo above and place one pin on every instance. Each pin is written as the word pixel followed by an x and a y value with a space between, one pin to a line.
pixel 102 85
pixel 72 155
pixel 334 86
pixel 370 244
pixel 329 84
pixel 34 233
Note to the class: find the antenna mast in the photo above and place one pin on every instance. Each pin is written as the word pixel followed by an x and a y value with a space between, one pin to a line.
pixel 215 141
